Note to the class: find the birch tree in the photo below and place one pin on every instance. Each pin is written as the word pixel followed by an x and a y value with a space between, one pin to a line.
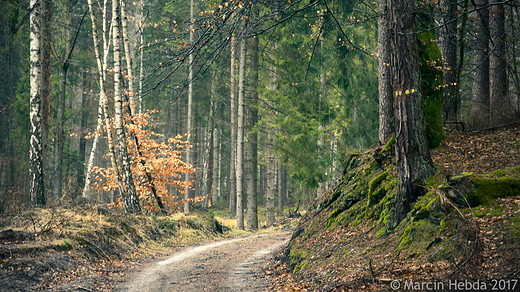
pixel 129 197
pixel 37 193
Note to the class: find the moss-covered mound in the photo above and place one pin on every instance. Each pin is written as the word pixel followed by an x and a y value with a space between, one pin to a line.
pixel 348 240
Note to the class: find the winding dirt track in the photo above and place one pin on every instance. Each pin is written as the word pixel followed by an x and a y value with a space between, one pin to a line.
pixel 228 265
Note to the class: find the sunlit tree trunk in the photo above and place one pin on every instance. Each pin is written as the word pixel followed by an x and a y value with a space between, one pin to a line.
pixel 232 163
pixel 141 55
pixel 37 193
pixel 128 57
pixel 413 161
pixel 479 111
pixel 448 46
pixel 501 107
pixel 386 106
pixel 280 188
pixel 190 101
pixel 214 145
pixel 240 134
pixel 251 144
pixel 130 201
pixel 103 112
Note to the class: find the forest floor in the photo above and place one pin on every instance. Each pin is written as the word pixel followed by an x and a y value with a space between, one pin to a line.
pixel 94 248
pixel 485 255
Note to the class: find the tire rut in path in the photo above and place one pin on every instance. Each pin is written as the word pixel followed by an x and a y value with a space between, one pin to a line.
pixel 228 265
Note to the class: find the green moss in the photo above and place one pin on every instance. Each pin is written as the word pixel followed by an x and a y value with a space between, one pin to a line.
pixel 389 145
pixel 300 267
pixel 374 183
pixel 489 189
pixel 65 246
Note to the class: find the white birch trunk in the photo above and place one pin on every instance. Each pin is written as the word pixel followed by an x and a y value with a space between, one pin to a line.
pixel 37 194
pixel 131 201
pixel 128 57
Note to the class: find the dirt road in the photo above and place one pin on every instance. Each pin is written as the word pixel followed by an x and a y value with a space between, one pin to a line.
pixel 228 265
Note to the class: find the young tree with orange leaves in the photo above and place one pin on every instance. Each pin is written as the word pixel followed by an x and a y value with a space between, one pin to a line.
pixel 156 163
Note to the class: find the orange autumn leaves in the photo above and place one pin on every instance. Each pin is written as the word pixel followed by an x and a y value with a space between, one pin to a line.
pixel 156 164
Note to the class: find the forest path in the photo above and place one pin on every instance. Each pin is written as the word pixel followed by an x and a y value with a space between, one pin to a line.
pixel 227 265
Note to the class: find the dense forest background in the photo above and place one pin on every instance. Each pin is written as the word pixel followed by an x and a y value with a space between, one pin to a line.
pixel 255 102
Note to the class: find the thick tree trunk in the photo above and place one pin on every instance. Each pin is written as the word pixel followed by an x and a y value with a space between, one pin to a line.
pixel 270 176
pixel 240 135
pixel 37 193
pixel 479 111
pixel 321 141
pixel 252 146
pixel 501 106
pixel 414 165
pixel 232 163
pixel 386 109
pixel 448 46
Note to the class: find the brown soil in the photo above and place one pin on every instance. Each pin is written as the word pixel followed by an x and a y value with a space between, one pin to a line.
pixel 228 265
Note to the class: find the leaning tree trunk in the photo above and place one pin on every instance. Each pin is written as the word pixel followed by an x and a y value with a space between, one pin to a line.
pixel 252 146
pixel 501 107
pixel 37 194
pixel 448 47
pixel 412 157
pixel 240 134
pixel 131 201
pixel 479 111
pixel 386 107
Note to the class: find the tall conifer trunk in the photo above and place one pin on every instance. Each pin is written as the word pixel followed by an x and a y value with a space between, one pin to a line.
pixel 252 146
pixel 448 47
pixel 232 161
pixel 240 134
pixel 501 107
pixel 479 111
pixel 413 161
pixel 386 106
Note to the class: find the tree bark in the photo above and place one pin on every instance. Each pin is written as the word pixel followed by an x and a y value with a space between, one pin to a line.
pixel 280 188
pixel 501 106
pixel 240 135
pixel 386 107
pixel 128 57
pixel 37 193
pixel 252 140
pixel 190 101
pixel 46 40
pixel 60 116
pixel 479 111
pixel 413 161
pixel 130 200
pixel 103 104
pixel 448 46
pixel 232 163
